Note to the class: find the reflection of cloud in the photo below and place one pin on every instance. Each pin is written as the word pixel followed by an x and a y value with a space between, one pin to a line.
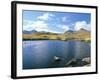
pixel 82 24
pixel 45 16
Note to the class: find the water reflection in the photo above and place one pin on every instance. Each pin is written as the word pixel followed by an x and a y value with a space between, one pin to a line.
pixel 40 54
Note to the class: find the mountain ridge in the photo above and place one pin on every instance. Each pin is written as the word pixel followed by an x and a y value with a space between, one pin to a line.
pixel 29 32
pixel 81 34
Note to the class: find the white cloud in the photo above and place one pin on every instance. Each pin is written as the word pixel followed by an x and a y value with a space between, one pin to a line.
pixel 45 16
pixel 64 27
pixel 25 22
pixel 82 24
pixel 37 25
pixel 53 31
pixel 64 19
pixel 27 25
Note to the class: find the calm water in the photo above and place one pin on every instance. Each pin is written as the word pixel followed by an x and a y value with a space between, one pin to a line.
pixel 40 53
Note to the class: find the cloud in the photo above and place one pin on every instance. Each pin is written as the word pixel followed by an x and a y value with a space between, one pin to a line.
pixel 64 19
pixel 82 24
pixel 37 25
pixel 45 16
pixel 25 22
pixel 27 25
pixel 64 27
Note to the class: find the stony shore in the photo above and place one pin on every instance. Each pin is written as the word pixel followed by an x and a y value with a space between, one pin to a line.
pixel 79 62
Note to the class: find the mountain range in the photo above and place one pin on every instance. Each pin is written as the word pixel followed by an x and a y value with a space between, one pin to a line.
pixel 80 30
pixel 29 32
pixel 69 31
pixel 80 34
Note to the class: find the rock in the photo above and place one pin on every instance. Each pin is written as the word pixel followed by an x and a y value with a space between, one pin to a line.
pixel 87 65
pixel 87 59
pixel 71 62
pixel 57 58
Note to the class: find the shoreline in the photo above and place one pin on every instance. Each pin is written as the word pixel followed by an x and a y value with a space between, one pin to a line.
pixel 57 40
pixel 79 62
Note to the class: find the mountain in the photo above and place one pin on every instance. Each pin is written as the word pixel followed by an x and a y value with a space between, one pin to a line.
pixel 29 32
pixel 82 30
pixel 81 34
pixel 69 31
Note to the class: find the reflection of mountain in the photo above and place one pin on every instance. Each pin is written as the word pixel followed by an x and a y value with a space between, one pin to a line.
pixel 81 34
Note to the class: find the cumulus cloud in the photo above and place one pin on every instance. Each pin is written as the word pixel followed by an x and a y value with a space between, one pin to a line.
pixel 82 24
pixel 37 25
pixel 25 22
pixel 64 19
pixel 45 16
pixel 64 27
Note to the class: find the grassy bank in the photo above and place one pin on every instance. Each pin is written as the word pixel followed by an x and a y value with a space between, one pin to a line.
pixel 54 36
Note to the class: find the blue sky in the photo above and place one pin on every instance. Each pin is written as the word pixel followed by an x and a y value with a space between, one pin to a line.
pixel 57 22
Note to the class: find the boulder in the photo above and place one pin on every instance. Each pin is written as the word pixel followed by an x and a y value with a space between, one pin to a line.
pixel 87 59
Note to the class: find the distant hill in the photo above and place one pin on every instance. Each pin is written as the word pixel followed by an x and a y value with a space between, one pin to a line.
pixel 37 32
pixel 82 30
pixel 29 32
pixel 81 34
pixel 69 31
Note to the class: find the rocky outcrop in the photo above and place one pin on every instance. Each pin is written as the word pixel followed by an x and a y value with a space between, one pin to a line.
pixel 86 60
pixel 78 62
